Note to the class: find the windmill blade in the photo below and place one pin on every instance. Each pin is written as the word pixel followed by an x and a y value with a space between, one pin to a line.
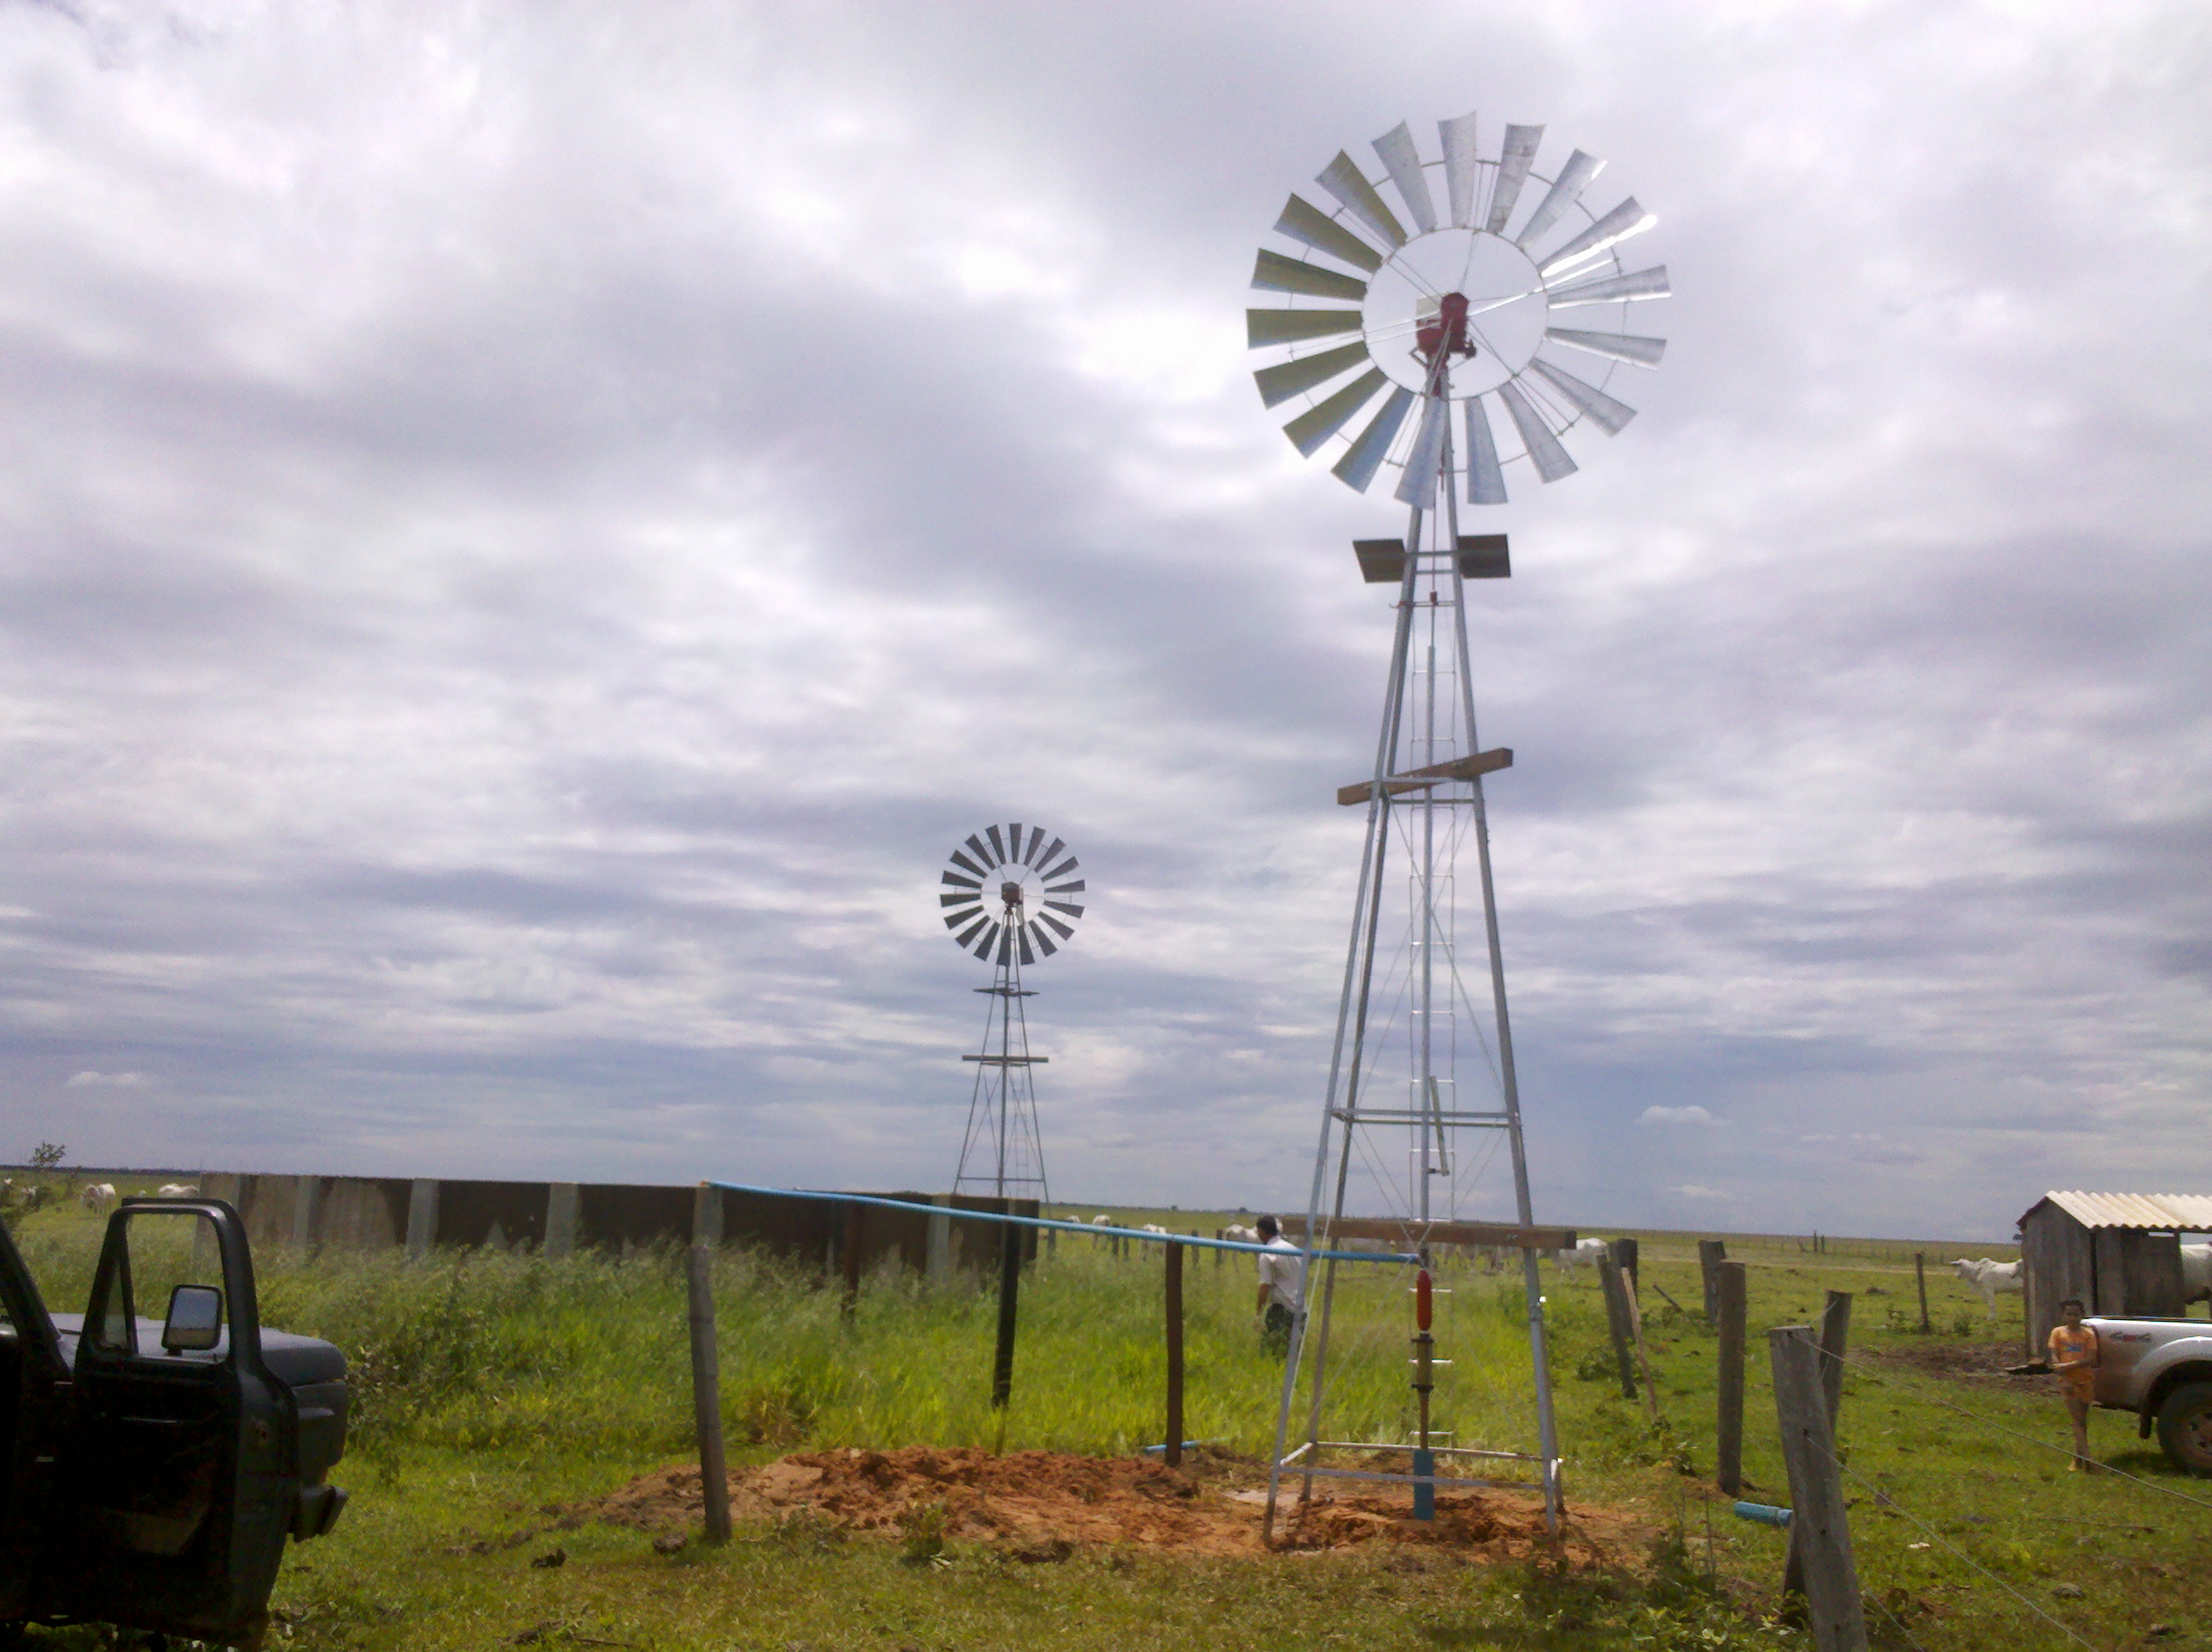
pixel 1074 888
pixel 1036 836
pixel 1006 946
pixel 1519 154
pixel 1022 935
pixel 1266 327
pixel 981 853
pixel 960 860
pixel 1325 418
pixel 1610 289
pixel 964 940
pixel 1278 385
pixel 1045 859
pixel 1574 177
pixel 1302 221
pixel 1060 871
pixel 964 898
pixel 1485 478
pixel 1043 940
pixel 1358 466
pixel 1463 169
pixel 1608 415
pixel 1062 906
pixel 1403 161
pixel 1418 486
pixel 984 947
pixel 1276 274
pixel 1343 179
pixel 954 920
pixel 1014 844
pixel 955 878
pixel 1617 346
pixel 1625 220
pixel 998 849
pixel 1055 926
pixel 1550 459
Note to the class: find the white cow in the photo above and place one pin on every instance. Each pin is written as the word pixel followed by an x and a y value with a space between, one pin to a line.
pixel 1153 1227
pixel 1988 1278
pixel 1585 1250
pixel 178 1190
pixel 1242 1235
pixel 1102 1220
pixel 97 1195
pixel 2196 1273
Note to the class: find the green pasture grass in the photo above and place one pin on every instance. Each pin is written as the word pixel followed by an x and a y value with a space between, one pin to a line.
pixel 492 1386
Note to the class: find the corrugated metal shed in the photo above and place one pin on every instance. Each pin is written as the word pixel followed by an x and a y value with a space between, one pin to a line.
pixel 2187 1213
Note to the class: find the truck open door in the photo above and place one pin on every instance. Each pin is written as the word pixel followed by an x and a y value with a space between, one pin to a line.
pixel 175 1494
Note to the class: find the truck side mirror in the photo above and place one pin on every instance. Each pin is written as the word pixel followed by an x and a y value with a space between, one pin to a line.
pixel 195 1321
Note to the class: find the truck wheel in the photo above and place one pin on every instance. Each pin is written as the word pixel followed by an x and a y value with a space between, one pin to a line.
pixel 2184 1428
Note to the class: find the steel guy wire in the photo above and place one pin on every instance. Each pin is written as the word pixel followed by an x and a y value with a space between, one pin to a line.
pixel 1889 1502
pixel 1880 1375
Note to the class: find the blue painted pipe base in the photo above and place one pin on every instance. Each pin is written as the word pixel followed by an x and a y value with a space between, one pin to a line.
pixel 1425 1492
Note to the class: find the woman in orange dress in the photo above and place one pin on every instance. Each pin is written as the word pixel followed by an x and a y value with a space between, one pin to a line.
pixel 2073 1357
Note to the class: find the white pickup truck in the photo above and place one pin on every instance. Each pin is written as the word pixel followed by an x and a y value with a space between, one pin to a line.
pixel 2161 1370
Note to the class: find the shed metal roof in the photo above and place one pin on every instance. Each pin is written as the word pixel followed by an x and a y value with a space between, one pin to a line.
pixel 2190 1212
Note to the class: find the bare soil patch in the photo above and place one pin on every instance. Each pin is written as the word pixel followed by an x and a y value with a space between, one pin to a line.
pixel 1968 1361
pixel 1045 1504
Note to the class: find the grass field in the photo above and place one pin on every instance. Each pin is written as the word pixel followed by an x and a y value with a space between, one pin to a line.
pixel 491 1388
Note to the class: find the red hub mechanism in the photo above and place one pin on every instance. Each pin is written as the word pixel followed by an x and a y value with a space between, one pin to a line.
pixel 1444 332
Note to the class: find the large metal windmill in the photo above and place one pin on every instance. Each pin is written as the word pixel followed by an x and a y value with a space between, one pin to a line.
pixel 1006 899
pixel 1480 305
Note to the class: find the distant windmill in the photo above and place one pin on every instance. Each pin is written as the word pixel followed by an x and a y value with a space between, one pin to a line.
pixel 1006 900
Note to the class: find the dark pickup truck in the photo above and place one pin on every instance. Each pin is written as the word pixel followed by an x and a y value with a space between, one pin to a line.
pixel 155 1469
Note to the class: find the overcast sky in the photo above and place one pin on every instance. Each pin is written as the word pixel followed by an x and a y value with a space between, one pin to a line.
pixel 527 533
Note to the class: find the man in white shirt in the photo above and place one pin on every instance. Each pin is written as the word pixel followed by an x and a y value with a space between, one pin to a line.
pixel 1279 1301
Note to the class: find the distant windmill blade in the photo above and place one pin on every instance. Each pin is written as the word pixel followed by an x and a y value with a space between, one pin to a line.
pixel 1074 886
pixel 1043 941
pixel 1013 843
pixel 1617 225
pixel 1522 143
pixel 960 860
pixel 998 848
pixel 1061 869
pixel 963 939
pixel 1602 411
pixel 1485 479
pixel 1343 178
pixel 954 920
pixel 1302 221
pixel 1580 171
pixel 1550 459
pixel 1022 935
pixel 1062 906
pixel 1403 162
pixel 1265 327
pixel 1280 384
pixel 976 847
pixel 1463 170
pixel 990 940
pixel 1418 486
pixel 1045 859
pixel 1326 417
pixel 1055 925
pixel 1361 461
pixel 964 882
pixel 965 899
pixel 1618 346
pixel 1612 289
pixel 1274 273
pixel 1036 836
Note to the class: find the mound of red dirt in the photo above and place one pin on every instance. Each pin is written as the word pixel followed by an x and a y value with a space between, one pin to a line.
pixel 1041 1504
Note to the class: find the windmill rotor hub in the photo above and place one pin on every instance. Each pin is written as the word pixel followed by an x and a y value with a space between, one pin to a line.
pixel 1011 894
pixel 1495 327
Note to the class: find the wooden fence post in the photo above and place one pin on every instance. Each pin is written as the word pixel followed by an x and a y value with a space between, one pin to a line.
pixel 1626 1254
pixel 1175 1353
pixel 706 1396
pixel 1616 1321
pixel 706 1215
pixel 1835 1333
pixel 1711 1253
pixel 1819 1527
pixel 1729 1286
pixel 1010 1286
pixel 1920 1278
